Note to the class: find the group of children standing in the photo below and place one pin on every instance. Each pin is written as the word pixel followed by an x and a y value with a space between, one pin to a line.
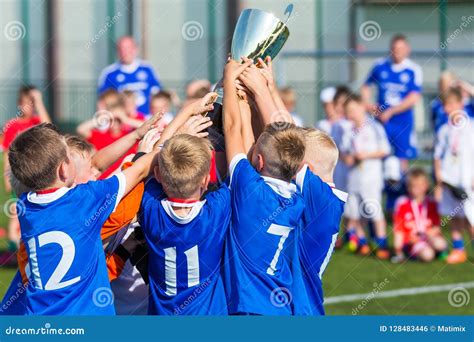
pixel 367 169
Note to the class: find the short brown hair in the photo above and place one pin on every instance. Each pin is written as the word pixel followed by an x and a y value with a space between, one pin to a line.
pixel 163 94
pixel 452 93
pixel 283 148
pixel 129 94
pixel 398 36
pixel 24 91
pixel 321 152
pixel 183 163
pixel 353 98
pixel 416 173
pixel 79 145
pixel 36 154
pixel 341 91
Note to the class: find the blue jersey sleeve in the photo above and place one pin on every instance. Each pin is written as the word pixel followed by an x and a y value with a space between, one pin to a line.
pixel 154 81
pixel 416 80
pixel 220 207
pixel 106 194
pixel 242 173
pixel 105 83
pixel 152 196
pixel 316 193
pixel 373 76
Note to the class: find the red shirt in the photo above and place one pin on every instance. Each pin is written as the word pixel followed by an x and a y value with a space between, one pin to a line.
pixel 16 126
pixel 138 116
pixel 101 139
pixel 412 219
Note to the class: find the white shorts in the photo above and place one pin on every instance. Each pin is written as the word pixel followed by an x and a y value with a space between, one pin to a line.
pixel 364 204
pixel 450 206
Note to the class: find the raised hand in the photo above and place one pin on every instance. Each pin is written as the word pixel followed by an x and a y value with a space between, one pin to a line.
pixel 204 105
pixel 233 69
pixel 149 140
pixel 266 68
pixel 148 125
pixel 196 126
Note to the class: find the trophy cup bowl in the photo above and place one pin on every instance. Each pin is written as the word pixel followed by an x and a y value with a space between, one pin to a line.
pixel 257 34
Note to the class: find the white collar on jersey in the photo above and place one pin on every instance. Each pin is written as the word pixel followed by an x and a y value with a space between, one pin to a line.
pixel 399 66
pixel 340 194
pixel 281 187
pixel 36 198
pixel 130 68
pixel 195 210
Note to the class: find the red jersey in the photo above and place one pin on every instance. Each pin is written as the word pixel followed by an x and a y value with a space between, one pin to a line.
pixel 414 219
pixel 16 126
pixel 101 139
pixel 138 116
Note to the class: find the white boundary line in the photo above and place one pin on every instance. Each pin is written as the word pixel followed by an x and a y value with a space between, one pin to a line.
pixel 396 293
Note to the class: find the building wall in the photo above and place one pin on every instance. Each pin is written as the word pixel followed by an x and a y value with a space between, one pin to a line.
pixel 87 30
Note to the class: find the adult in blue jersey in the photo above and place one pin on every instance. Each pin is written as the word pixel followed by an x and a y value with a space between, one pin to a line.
pixel 398 81
pixel 131 73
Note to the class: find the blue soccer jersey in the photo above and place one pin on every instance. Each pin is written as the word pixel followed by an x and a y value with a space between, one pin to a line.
pixel 185 252
pixel 138 77
pixel 257 264
pixel 66 262
pixel 14 302
pixel 394 82
pixel 316 236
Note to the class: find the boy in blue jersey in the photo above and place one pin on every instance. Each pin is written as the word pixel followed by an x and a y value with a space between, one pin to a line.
pixel 266 207
pixel 185 231
pixel 61 225
pixel 317 233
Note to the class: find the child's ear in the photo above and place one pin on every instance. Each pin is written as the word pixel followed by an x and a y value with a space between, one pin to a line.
pixel 66 171
pixel 156 172
pixel 205 182
pixel 260 162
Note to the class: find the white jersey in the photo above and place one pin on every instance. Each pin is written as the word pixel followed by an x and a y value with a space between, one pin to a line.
pixel 455 148
pixel 369 138
pixel 337 130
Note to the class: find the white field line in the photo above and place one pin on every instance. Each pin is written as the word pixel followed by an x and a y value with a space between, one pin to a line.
pixel 397 293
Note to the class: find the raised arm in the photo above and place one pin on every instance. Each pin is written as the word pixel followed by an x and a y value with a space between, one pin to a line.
pixel 254 81
pixel 266 68
pixel 234 143
pixel 39 106
pixel 246 119
pixel 105 157
pixel 198 107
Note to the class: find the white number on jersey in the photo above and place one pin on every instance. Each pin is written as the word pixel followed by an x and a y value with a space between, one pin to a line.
pixel 282 231
pixel 68 252
pixel 192 260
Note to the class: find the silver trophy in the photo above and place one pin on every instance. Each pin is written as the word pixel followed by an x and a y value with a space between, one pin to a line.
pixel 257 34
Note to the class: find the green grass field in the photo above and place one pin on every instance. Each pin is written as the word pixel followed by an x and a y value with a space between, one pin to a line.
pixel 351 274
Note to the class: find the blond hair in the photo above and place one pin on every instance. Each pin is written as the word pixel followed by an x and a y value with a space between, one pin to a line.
pixel 183 163
pixel 283 147
pixel 321 153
